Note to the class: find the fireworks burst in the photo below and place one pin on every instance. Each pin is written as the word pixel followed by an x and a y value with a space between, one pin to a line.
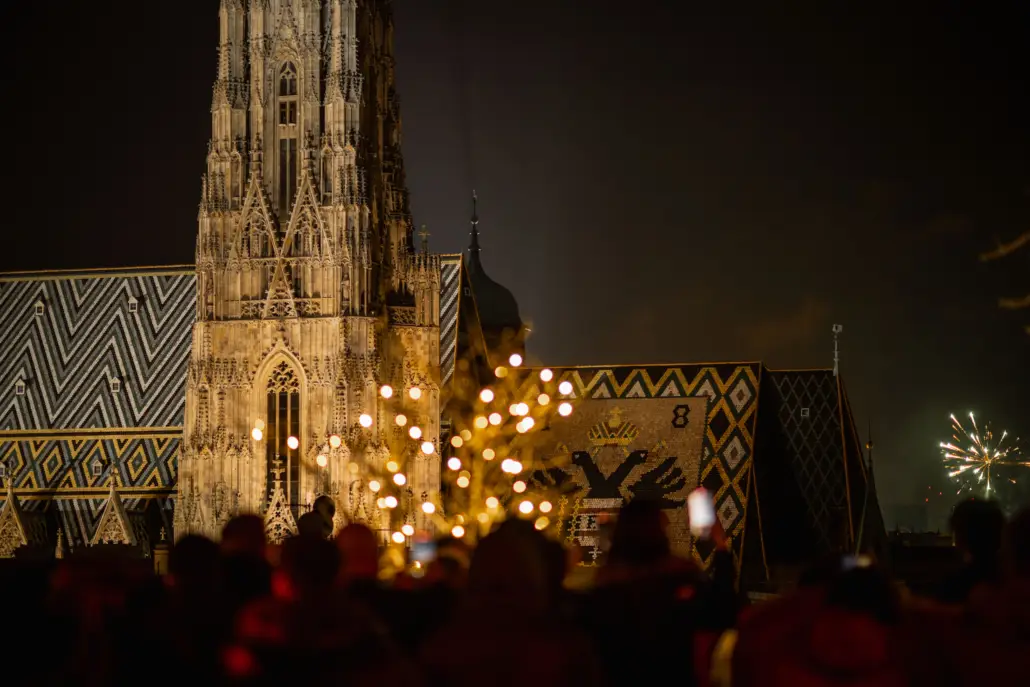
pixel 981 458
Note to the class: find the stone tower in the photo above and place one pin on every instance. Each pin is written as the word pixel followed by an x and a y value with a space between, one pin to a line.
pixel 310 293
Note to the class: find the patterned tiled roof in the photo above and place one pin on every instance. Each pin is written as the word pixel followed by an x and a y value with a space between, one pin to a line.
pixel 101 349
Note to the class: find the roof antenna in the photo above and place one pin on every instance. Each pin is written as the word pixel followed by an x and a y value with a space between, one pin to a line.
pixel 837 329
pixel 473 248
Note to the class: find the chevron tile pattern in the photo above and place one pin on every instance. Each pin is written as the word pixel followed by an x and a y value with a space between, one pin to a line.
pixel 450 288
pixel 64 339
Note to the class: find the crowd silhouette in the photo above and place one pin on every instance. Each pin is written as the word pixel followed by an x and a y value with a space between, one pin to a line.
pixel 318 608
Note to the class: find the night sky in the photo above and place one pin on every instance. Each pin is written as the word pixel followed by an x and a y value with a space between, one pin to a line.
pixel 656 184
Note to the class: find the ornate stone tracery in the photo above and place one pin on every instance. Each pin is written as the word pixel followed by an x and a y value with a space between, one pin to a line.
pixel 296 263
pixel 283 379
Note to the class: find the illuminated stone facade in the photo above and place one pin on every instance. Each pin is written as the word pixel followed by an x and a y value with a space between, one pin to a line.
pixel 310 292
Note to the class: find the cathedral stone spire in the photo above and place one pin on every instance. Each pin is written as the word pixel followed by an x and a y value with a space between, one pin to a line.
pixel 305 255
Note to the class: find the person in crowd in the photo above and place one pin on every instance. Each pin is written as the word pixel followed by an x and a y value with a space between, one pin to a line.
pixel 246 573
pixel 650 604
pixel 841 629
pixel 976 526
pixel 306 632
pixel 501 634
pixel 992 639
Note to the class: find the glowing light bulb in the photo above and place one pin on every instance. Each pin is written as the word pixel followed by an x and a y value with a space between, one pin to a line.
pixel 492 502
pixel 365 420
pixel 466 435
pixel 500 372
pixel 428 508
pixel 398 537
pixel 322 460
pixel 508 466
pixel 457 531
pixel 523 408
pixel 526 507
pixel 335 441
pixel 462 481
pixel 565 409
pixel 543 399
pixel 545 506
pixel 353 468
pixel 522 427
pixel 495 419
pixel 457 441
pixel 515 360
pixel 565 388
pixel 528 422
pixel 546 375
pixel 516 467
pixel 390 501
pixel 401 419
pixel 374 486
pixel 489 454
pixel 486 395
pixel 392 466
pixel 483 518
pixel 399 479
pixel 541 523
pixel 481 422
pixel 293 443
pixel 454 463
pixel 428 448
pixel 256 434
pixel 408 530
pixel 513 409
pixel 415 432
pixel 415 393
pixel 386 391
pixel 381 503
pixel 519 487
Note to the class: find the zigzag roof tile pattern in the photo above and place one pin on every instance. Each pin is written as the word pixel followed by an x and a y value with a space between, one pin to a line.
pixel 95 348
pixel 66 335
pixel 450 286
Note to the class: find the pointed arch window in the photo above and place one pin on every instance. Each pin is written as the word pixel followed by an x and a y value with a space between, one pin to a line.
pixel 284 422
pixel 288 112
pixel 327 176
pixel 288 94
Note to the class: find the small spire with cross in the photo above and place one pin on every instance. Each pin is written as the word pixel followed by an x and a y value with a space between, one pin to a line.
pixel 473 248
pixel 424 235
pixel 277 469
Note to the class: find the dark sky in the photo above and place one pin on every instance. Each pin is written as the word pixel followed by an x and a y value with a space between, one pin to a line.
pixel 657 183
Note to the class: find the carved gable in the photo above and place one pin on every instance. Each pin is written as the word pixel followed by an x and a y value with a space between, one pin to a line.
pixel 12 525
pixel 114 526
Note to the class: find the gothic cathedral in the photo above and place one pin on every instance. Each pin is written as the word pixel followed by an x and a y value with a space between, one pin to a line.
pixel 310 291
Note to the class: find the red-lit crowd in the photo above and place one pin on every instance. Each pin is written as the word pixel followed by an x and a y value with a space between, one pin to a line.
pixel 318 608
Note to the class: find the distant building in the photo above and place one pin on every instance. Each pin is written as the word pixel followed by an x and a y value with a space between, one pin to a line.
pixel 911 517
